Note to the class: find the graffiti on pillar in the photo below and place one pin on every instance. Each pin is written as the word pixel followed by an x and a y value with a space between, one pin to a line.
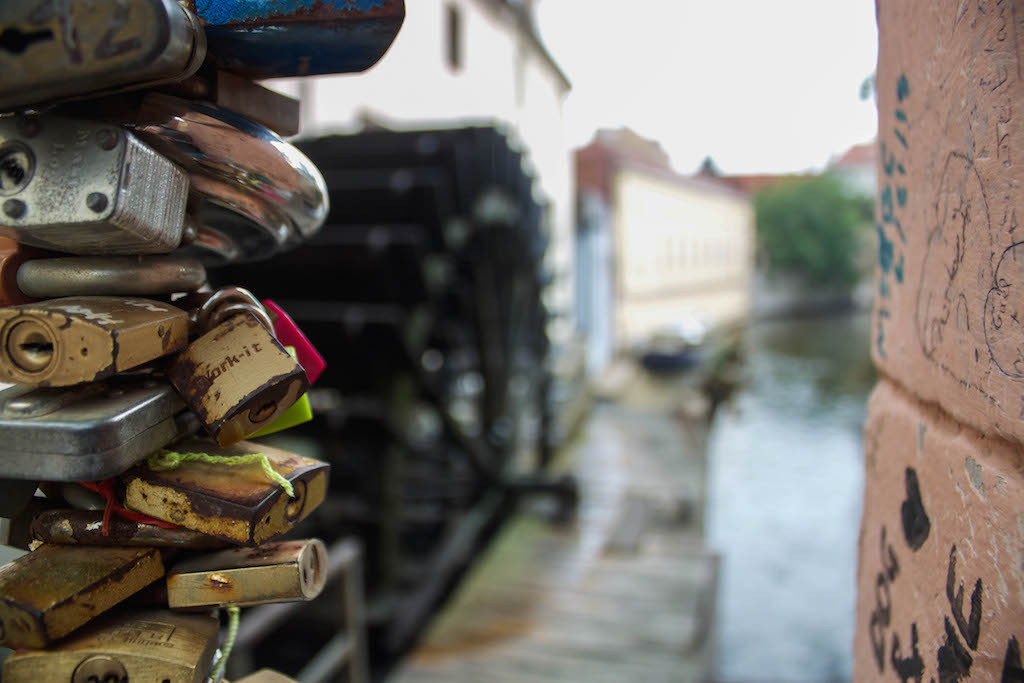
pixel 969 314
pixel 892 200
pixel 959 622
pixel 916 525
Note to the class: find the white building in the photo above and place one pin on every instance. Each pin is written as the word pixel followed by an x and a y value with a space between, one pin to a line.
pixel 457 63
pixel 658 251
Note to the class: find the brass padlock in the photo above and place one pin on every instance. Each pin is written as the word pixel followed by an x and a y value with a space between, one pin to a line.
pixel 125 645
pixel 50 592
pixel 60 342
pixel 287 571
pixel 85 527
pixel 235 502
pixel 237 378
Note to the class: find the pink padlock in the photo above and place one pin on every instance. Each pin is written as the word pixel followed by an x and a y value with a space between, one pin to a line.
pixel 289 334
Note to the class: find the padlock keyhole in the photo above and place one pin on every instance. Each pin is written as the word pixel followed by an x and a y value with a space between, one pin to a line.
pixel 37 350
pixel 262 412
pixel 17 164
pixel 14 41
pixel 30 347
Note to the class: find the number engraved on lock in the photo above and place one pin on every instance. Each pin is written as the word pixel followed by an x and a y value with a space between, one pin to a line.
pixel 110 45
pixel 142 633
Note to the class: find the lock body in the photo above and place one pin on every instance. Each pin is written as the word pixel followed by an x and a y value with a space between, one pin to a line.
pixel 87 188
pixel 237 378
pixel 133 645
pixel 50 592
pixel 90 431
pixel 286 571
pixel 77 47
pixel 235 502
pixel 61 342
pixel 85 527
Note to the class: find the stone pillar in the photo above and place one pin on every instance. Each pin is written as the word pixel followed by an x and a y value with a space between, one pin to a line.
pixel 941 569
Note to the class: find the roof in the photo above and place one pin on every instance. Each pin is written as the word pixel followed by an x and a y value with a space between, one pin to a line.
pixel 622 149
pixel 751 184
pixel 865 154
pixel 520 13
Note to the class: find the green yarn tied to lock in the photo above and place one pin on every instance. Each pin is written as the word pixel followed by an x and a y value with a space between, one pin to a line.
pixel 229 644
pixel 164 460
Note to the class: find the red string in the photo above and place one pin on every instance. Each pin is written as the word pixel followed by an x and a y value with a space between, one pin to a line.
pixel 105 488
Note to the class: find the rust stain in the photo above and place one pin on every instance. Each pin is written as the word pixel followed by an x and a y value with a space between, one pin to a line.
pixel 220 583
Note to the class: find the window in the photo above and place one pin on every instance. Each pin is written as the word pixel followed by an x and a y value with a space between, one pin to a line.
pixel 454 21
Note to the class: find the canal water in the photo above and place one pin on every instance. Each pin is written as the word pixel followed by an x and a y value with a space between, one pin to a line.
pixel 785 478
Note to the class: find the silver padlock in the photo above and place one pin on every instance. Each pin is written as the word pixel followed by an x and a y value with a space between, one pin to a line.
pixel 60 49
pixel 87 432
pixel 87 188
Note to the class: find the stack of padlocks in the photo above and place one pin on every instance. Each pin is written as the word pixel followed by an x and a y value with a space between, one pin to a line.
pixel 139 528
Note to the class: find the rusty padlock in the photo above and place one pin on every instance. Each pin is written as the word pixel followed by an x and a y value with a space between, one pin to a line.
pixel 60 342
pixel 125 645
pixel 86 527
pixel 238 503
pixel 236 377
pixel 286 571
pixel 50 592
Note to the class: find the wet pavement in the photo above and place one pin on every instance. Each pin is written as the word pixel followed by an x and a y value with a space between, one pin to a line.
pixel 626 591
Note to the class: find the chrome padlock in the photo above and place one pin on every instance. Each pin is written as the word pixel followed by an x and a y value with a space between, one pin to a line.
pixel 61 342
pixel 52 591
pixel 287 571
pixel 90 431
pixel 237 378
pixel 87 188
pixel 239 503
pixel 125 645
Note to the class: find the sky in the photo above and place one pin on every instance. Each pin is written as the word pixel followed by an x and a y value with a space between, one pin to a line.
pixel 761 86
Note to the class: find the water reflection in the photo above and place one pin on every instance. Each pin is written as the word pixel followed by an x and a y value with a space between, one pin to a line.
pixel 785 482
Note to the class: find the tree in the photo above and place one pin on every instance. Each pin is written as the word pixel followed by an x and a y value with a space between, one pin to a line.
pixel 813 226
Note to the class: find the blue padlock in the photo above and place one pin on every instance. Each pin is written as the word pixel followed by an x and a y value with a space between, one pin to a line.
pixel 284 38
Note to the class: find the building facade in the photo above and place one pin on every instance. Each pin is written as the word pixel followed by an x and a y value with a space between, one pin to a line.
pixel 678 250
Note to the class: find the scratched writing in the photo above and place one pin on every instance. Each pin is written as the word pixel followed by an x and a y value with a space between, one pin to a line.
pixel 147 305
pixel 102 317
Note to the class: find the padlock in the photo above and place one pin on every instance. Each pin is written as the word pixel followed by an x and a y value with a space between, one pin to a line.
pixel 286 571
pixel 237 378
pixel 60 342
pixel 125 645
pixel 90 431
pixel 289 334
pixel 50 592
pixel 83 187
pixel 109 276
pixel 86 527
pixel 83 48
pixel 235 502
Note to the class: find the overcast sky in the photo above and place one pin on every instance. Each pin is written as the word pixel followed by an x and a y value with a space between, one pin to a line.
pixel 762 86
